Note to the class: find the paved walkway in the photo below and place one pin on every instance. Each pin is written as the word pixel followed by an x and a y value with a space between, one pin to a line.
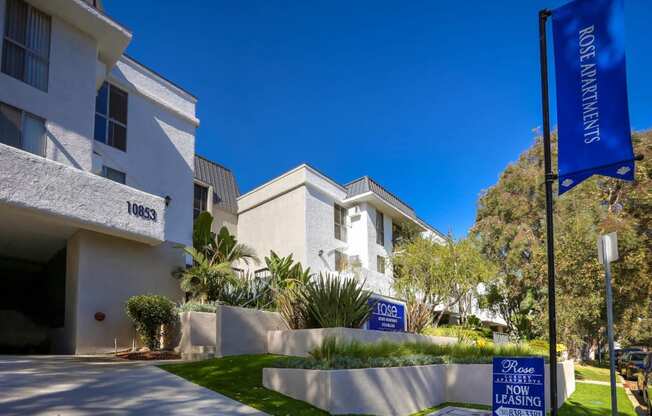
pixel 66 385
pixel 458 411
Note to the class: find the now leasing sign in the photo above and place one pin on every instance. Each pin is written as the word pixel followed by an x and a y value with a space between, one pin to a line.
pixel 518 386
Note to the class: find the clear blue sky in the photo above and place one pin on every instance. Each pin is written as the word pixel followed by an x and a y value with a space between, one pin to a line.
pixel 431 98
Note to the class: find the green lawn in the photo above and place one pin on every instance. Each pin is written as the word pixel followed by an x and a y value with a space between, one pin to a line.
pixel 594 400
pixel 240 378
pixel 589 372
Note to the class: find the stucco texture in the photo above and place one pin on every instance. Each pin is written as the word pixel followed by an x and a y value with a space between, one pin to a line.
pixel 77 197
pixel 103 273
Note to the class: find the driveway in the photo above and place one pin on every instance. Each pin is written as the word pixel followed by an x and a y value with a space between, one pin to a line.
pixel 67 385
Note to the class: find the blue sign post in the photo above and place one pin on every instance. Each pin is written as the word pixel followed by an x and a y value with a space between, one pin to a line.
pixel 518 386
pixel 387 315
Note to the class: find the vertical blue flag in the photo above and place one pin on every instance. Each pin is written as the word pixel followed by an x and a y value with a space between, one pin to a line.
pixel 592 111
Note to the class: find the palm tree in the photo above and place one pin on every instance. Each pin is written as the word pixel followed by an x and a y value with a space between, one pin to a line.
pixel 213 258
pixel 208 277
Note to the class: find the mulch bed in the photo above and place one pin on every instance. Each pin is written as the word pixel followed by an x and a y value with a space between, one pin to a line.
pixel 149 355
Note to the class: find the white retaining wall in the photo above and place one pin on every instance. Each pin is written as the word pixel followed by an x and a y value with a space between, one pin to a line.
pixel 300 342
pixel 198 335
pixel 397 390
pixel 244 331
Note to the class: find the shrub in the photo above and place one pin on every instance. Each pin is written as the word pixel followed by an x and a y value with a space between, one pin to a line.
pixel 194 306
pixel 332 354
pixel 332 301
pixel 149 313
pixel 463 334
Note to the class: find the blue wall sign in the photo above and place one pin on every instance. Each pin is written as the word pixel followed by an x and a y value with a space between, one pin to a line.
pixel 592 110
pixel 387 315
pixel 518 386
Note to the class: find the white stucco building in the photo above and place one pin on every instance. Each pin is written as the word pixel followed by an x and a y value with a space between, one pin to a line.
pixel 325 225
pixel 96 167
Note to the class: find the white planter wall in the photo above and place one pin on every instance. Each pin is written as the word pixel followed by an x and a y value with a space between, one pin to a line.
pixel 397 390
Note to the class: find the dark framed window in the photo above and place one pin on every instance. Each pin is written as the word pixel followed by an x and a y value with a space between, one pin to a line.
pixel 200 202
pixel 341 261
pixel 380 228
pixel 111 105
pixel 380 264
pixel 26 45
pixel 114 174
pixel 22 130
pixel 340 222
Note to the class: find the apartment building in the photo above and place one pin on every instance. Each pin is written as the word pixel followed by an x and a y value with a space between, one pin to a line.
pixel 325 225
pixel 96 162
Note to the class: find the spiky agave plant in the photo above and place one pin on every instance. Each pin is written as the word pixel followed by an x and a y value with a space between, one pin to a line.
pixel 336 301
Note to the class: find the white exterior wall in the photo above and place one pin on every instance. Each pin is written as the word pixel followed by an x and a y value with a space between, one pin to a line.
pixel 107 272
pixel 107 258
pixel 378 282
pixel 160 145
pixel 69 104
pixel 320 231
pixel 278 224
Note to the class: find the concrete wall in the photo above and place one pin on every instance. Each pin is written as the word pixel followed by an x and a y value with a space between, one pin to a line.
pixel 278 224
pixel 76 197
pixel 396 390
pixel 198 335
pixel 300 342
pixel 69 104
pixel 108 271
pixel 244 331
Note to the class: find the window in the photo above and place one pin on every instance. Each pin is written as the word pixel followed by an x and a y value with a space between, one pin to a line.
pixel 380 228
pixel 341 261
pixel 340 223
pixel 22 130
pixel 114 175
pixel 26 46
pixel 111 116
pixel 201 200
pixel 380 264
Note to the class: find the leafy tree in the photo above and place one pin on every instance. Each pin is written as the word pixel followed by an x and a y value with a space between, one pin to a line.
pixel 510 225
pixel 438 275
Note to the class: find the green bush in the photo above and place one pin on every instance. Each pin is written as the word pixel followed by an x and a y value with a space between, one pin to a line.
pixel 149 313
pixel 463 334
pixel 194 306
pixel 333 354
pixel 332 301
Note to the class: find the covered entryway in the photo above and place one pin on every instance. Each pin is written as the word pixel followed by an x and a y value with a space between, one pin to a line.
pixel 32 282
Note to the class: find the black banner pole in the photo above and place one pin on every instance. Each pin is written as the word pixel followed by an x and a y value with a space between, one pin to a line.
pixel 550 178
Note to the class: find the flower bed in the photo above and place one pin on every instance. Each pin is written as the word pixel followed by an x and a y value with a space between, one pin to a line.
pixel 335 354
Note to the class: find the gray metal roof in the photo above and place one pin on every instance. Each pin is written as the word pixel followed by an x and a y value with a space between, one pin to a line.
pixel 225 188
pixel 366 184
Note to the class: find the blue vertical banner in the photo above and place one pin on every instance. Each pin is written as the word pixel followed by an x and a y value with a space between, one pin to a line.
pixel 592 110
pixel 518 386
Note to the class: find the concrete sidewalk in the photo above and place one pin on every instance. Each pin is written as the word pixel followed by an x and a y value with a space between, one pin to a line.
pixel 67 385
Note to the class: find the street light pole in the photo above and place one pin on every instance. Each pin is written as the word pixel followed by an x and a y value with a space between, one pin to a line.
pixel 607 257
pixel 550 177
